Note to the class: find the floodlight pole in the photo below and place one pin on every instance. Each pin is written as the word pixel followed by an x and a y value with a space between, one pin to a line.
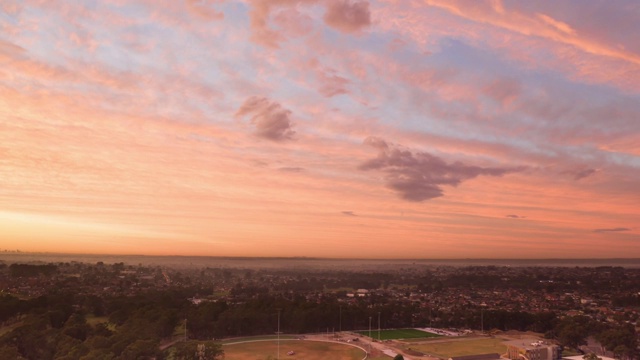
pixel 378 325
pixel 370 338
pixel 278 357
pixel 430 317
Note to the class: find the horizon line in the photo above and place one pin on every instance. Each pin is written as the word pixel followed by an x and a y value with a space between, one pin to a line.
pixel 6 251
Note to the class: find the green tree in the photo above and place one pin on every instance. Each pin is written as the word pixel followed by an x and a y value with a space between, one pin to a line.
pixel 197 350
pixel 140 349
pixel 622 351
pixel 9 353
pixel 68 348
pixel 622 340
pixel 572 331
pixel 99 354
pixel 76 327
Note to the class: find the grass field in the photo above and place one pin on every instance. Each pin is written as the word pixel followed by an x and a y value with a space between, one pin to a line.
pixel 447 349
pixel 303 349
pixel 399 334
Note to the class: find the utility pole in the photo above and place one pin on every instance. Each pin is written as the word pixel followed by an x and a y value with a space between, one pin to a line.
pixel 378 325
pixel 278 357
pixel 340 328
pixel 185 330
pixel 370 338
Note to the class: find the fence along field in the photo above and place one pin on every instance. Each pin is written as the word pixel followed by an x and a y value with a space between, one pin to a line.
pixel 302 349
pixel 399 334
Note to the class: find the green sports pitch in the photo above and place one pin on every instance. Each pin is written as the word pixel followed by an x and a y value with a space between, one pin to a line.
pixel 399 334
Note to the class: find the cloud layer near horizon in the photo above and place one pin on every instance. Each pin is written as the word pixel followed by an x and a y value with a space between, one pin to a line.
pixel 247 127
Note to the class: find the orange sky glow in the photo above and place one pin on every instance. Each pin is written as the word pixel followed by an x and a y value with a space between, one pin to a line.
pixel 321 128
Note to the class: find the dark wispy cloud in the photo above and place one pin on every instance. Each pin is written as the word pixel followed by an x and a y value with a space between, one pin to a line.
pixel 618 229
pixel 349 213
pixel 291 169
pixel 419 176
pixel 513 216
pixel 581 174
pixel 270 119
pixel 348 16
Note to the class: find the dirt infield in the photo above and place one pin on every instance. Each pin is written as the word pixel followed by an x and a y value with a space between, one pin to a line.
pixel 461 347
pixel 302 349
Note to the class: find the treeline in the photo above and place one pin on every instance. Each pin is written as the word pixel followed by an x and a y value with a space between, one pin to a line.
pixel 573 331
pixel 27 270
pixel 259 315
pixel 56 327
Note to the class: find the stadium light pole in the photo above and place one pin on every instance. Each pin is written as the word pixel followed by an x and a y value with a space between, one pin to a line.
pixel 370 338
pixel 430 317
pixel 482 306
pixel 378 325
pixel 278 357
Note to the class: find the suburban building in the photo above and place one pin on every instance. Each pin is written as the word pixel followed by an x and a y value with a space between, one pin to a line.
pixel 528 349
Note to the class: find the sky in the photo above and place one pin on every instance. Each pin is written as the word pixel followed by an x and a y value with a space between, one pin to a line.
pixel 337 128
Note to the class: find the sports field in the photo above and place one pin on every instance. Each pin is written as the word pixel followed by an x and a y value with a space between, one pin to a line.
pixel 303 349
pixel 399 334
pixel 447 349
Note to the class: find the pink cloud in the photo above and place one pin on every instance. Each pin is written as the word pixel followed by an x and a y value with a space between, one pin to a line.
pixel 347 16
pixel 261 32
pixel 562 39
pixel 503 90
pixel 343 15
pixel 293 22
pixel 331 84
pixel 573 46
pixel 270 119
pixel 204 10
pixel 542 25
pixel 10 50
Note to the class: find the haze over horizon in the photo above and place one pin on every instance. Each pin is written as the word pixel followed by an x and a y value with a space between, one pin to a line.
pixel 307 128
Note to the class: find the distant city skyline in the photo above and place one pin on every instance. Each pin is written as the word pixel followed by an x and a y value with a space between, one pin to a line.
pixel 332 129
